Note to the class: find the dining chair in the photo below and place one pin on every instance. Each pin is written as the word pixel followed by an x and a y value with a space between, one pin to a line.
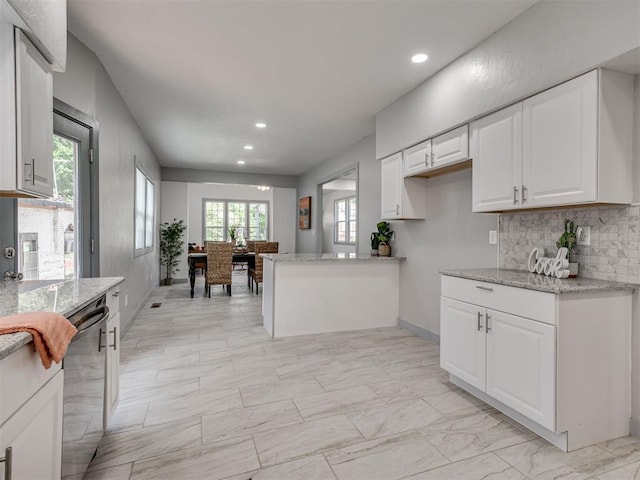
pixel 256 273
pixel 219 265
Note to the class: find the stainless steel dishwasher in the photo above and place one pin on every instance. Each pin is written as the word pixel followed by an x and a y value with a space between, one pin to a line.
pixel 84 382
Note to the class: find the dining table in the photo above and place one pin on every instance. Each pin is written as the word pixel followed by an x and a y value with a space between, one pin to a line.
pixel 198 259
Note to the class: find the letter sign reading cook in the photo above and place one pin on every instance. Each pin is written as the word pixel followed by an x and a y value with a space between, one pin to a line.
pixel 557 266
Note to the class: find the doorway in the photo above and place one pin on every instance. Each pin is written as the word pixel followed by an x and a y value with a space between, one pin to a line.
pixel 56 238
pixel 338 196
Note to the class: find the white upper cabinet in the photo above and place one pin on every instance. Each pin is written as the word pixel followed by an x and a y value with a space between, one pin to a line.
pixel 560 144
pixel 438 155
pixel 26 117
pixel 569 145
pixel 417 159
pixel 496 147
pixel 450 147
pixel 401 198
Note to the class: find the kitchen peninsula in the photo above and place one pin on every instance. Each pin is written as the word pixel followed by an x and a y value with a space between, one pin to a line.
pixel 319 293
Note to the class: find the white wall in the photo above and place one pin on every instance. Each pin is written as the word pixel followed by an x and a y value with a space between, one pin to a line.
pixel 184 201
pixel 361 154
pixel 87 87
pixel 549 43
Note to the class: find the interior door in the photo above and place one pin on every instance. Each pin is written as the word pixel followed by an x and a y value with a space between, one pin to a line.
pixel 521 365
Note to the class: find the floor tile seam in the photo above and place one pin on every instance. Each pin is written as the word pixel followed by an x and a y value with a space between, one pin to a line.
pixel 497 452
pixel 508 466
pixel 324 456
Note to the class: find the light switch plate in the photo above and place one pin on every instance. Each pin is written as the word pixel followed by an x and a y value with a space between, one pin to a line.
pixel 493 237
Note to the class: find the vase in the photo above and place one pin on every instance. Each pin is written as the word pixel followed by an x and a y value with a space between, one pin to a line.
pixel 374 252
pixel 168 281
pixel 573 269
pixel 384 250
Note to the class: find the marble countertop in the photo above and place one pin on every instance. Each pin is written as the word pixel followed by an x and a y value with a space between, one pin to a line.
pixel 62 296
pixel 327 257
pixel 542 283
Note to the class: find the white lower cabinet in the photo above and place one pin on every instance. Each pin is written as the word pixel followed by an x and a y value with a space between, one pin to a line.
pixel 521 365
pixel 564 373
pixel 510 358
pixel 112 376
pixel 32 436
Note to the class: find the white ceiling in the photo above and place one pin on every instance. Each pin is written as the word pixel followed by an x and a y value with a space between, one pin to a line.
pixel 197 75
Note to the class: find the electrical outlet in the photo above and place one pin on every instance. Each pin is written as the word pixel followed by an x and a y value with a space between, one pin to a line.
pixel 583 236
pixel 493 237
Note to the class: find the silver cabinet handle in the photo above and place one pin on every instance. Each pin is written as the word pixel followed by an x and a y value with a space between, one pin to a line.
pixel 100 345
pixel 397 209
pixel 515 195
pixel 426 159
pixel 488 329
pixel 115 338
pixel 480 321
pixel 484 288
pixel 7 460
pixel 432 157
pixel 524 197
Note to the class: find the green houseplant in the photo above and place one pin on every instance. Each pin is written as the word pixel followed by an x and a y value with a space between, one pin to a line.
pixel 384 236
pixel 233 233
pixel 568 240
pixel 171 246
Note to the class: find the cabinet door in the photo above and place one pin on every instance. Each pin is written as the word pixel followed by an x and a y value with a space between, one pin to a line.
pixel 417 159
pixel 34 434
pixel 521 365
pixel 34 118
pixel 112 377
pixel 391 171
pixel 450 147
pixel 462 341
pixel 560 144
pixel 496 150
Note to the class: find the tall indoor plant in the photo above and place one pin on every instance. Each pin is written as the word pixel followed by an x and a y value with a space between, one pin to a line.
pixel 171 246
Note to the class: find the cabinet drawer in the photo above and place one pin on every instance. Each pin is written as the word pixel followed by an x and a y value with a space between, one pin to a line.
pixel 531 304
pixel 21 376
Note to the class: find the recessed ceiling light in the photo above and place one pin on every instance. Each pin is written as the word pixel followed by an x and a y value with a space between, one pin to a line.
pixel 248 147
pixel 240 162
pixel 261 125
pixel 419 58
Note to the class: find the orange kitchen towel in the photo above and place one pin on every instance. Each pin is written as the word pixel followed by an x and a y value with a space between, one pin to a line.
pixel 51 333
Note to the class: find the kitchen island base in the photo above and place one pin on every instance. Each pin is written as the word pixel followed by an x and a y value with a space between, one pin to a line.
pixel 310 294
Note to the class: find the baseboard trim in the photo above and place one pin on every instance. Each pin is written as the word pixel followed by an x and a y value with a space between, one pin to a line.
pixel 136 312
pixel 420 331
pixel 175 281
pixel 634 427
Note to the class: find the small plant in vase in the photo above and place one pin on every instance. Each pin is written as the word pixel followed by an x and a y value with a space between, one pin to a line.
pixel 233 233
pixel 384 236
pixel 568 240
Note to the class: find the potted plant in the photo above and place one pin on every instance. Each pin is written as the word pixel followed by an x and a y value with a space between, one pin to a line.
pixel 171 247
pixel 375 243
pixel 384 235
pixel 233 232
pixel 568 240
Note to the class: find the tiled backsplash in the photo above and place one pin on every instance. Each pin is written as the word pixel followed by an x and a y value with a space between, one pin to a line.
pixel 614 253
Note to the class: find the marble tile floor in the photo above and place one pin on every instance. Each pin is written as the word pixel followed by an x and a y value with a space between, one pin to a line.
pixel 206 394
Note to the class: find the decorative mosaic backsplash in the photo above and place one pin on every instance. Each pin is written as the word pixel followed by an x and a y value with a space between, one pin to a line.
pixel 614 253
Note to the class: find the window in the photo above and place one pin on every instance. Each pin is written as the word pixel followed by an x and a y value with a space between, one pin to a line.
pixel 250 220
pixel 29 255
pixel 144 213
pixel 345 221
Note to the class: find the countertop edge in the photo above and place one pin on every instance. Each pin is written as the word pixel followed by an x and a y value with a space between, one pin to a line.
pixel 314 258
pixel 14 341
pixel 546 284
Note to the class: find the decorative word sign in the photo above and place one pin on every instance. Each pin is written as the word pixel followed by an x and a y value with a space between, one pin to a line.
pixel 557 266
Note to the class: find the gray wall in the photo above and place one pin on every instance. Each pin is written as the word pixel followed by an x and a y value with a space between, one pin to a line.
pixel 549 43
pixel 87 87
pixel 362 154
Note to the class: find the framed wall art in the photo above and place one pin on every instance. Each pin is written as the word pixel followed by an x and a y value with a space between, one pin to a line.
pixel 304 213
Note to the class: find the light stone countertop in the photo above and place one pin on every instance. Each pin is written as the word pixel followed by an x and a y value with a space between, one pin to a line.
pixel 61 296
pixel 327 257
pixel 541 283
